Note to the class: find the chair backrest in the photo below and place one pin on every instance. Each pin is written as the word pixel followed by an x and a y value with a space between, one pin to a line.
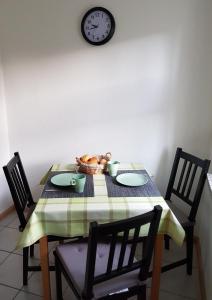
pixel 188 180
pixel 19 187
pixel 121 233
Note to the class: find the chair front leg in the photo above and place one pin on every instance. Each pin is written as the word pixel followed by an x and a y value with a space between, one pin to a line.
pixel 142 294
pixel 58 280
pixel 189 249
pixel 25 265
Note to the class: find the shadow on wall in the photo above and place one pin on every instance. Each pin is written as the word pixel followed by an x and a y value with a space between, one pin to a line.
pixel 163 170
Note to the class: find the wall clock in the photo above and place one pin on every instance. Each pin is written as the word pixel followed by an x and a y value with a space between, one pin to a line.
pixel 98 26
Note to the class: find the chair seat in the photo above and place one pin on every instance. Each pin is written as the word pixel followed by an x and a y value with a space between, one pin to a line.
pixel 182 218
pixel 73 258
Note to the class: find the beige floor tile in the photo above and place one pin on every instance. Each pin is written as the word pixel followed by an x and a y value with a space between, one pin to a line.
pixel 27 296
pixel 9 219
pixel 14 224
pixel 176 253
pixel 11 271
pixel 7 293
pixel 176 281
pixel 3 256
pixel 35 284
pixel 8 238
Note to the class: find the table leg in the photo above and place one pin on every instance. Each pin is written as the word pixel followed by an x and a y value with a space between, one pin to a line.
pixel 157 261
pixel 44 260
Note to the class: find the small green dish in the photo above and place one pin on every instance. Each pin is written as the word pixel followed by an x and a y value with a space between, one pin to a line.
pixel 64 179
pixel 132 179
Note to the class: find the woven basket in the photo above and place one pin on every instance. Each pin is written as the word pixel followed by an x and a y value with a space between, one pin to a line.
pixel 98 168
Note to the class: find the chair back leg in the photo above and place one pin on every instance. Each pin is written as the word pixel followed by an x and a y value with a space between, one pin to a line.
pixel 32 250
pixel 189 249
pixel 167 240
pixel 25 265
pixel 58 280
pixel 142 294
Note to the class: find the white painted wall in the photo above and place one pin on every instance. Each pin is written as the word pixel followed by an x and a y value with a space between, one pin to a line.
pixel 5 200
pixel 142 92
pixel 140 96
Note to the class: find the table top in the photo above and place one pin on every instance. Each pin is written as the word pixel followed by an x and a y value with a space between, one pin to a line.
pixel 70 215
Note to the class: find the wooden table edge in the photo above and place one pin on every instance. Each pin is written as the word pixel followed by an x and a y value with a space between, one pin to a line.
pixel 156 268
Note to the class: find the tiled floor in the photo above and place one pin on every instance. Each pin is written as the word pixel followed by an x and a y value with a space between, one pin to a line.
pixel 175 284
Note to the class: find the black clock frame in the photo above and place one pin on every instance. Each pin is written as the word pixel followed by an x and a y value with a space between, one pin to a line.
pixel 112 30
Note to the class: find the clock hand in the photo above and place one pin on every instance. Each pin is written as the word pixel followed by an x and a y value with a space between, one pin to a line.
pixel 94 26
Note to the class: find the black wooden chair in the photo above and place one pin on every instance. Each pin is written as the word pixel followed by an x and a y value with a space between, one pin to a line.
pixel 186 183
pixel 104 266
pixel 24 205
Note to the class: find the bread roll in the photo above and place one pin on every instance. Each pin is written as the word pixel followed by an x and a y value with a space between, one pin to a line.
pixel 103 161
pixel 85 158
pixel 92 160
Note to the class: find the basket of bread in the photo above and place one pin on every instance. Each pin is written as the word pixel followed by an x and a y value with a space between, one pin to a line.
pixel 93 164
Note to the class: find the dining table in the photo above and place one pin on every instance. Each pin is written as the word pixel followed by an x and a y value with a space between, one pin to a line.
pixel 60 211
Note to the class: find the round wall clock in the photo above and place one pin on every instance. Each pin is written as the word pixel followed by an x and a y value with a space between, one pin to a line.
pixel 98 26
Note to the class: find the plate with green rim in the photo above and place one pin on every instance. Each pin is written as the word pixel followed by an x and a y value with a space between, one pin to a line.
pixel 132 179
pixel 63 179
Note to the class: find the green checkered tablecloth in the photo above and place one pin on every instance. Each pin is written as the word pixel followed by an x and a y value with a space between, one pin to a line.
pixel 71 216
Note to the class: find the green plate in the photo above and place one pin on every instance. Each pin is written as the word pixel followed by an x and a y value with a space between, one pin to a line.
pixel 63 179
pixel 132 179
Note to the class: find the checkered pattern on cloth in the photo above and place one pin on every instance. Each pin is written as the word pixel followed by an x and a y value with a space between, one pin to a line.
pixel 71 216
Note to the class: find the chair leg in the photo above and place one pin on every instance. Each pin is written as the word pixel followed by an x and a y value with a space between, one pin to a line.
pixel 189 249
pixel 25 265
pixel 58 280
pixel 167 239
pixel 142 294
pixel 32 250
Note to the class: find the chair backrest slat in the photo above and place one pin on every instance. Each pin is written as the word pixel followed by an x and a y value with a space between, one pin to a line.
pixel 19 187
pixel 118 235
pixel 111 253
pixel 191 182
pixel 188 181
pixel 181 176
pixel 134 242
pixel 186 178
pixel 123 248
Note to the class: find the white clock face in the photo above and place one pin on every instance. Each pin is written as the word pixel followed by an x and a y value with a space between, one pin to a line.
pixel 98 26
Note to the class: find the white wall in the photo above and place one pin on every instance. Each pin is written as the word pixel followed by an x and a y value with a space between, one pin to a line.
pixel 139 96
pixel 5 200
pixel 143 91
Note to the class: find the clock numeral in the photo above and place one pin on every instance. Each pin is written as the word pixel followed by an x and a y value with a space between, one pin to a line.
pixel 89 22
pixel 103 36
pixel 97 14
pixel 87 27
pixel 89 33
pixel 92 17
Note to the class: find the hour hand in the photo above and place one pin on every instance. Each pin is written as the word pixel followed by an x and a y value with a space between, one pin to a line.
pixel 94 26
